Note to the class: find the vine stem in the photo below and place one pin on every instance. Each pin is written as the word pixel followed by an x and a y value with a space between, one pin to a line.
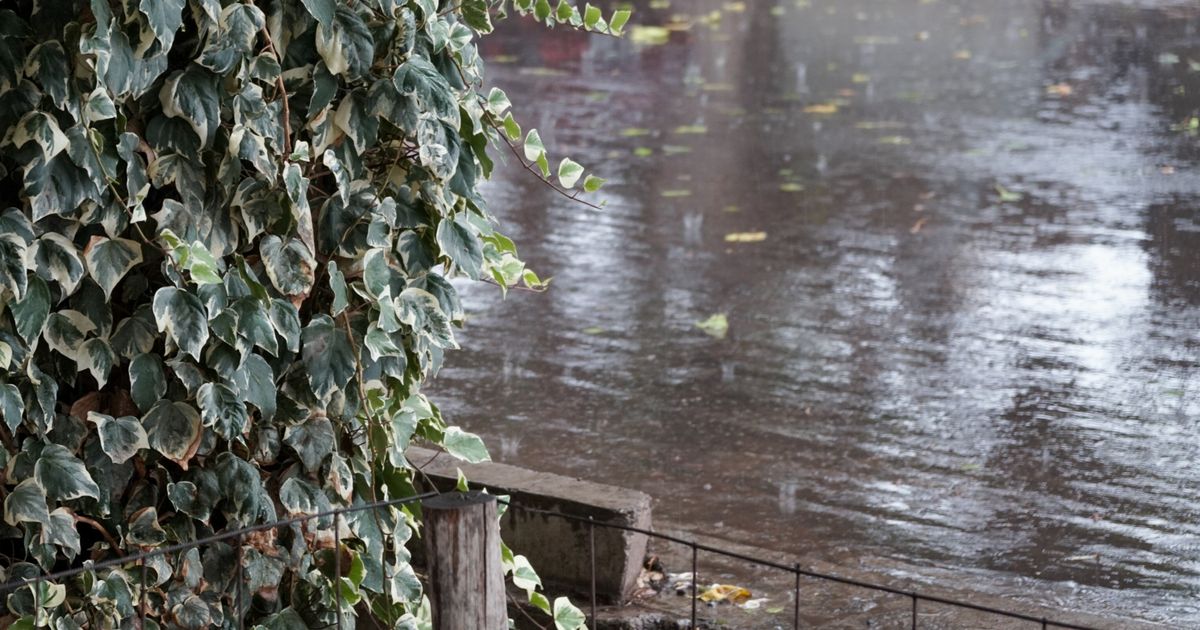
pixel 103 532
pixel 537 174
pixel 283 95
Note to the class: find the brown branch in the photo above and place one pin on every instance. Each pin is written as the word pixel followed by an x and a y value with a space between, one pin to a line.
pixel 287 112
pixel 103 532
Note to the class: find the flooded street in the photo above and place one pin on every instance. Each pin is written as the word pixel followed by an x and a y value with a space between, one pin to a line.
pixel 962 287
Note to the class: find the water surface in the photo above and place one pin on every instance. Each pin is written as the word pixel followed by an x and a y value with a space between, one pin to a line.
pixel 968 344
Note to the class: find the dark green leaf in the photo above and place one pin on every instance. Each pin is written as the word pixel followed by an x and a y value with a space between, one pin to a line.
pixel 460 243
pixel 121 438
pixel 312 441
pixel 221 408
pixel 109 260
pixel 63 475
pixel 182 317
pixel 328 356
pixel 173 429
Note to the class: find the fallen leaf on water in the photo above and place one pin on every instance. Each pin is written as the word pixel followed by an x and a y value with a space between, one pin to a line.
pixel 1088 556
pixel 633 132
pixel 716 326
pixel 691 129
pixel 643 151
pixel 962 55
pixel 726 593
pixel 594 330
pixel 753 604
pixel 745 237
pixel 1167 170
pixel 1008 196
pixel 822 108
pixel 918 225
pixel 731 208
pixel 860 77
pixel 735 7
pixel 675 149
pixel 676 193
pixel 543 72
pixel 1059 89
pixel 791 187
pixel 649 35
pixel 880 124
pixel 897 140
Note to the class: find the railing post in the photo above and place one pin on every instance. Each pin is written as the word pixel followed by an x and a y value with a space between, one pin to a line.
pixel 466 577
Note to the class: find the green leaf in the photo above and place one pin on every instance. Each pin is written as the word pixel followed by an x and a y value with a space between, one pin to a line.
pixel 109 259
pixel 182 317
pixel 42 129
pixel 591 16
pixel 337 282
pixel 290 266
pixel 462 246
pixel 120 438
pixel 327 355
pixel 567 616
pixel 47 64
pixel 66 330
pixel 61 532
pixel 534 149
pixel 539 600
pixel 321 10
pixel 165 17
pixel 12 265
pixel 221 408
pixel 312 441
pixel 569 172
pixel 256 381
pixel 27 504
pixel 135 334
pixel 475 14
pixel 63 475
pixel 511 128
pixel 192 95
pixel 618 20
pixel 286 320
pixel 465 446
pixel 346 44
pixel 55 258
pixel 12 406
pixel 97 357
pixel 30 313
pixel 173 429
pixel 593 183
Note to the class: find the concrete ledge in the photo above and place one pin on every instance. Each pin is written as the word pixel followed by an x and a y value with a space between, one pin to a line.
pixel 558 548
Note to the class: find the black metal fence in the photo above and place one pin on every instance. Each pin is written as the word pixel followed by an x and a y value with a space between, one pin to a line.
pixel 139 561
pixel 915 597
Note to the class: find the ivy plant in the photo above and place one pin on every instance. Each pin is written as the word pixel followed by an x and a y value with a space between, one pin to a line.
pixel 227 230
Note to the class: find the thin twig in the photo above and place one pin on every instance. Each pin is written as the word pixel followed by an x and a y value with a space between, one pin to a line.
pixel 287 112
pixel 103 532
pixel 538 174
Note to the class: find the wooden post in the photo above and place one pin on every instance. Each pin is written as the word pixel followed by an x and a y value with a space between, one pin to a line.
pixel 462 546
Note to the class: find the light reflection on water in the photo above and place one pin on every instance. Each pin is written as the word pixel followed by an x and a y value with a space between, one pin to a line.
pixel 969 342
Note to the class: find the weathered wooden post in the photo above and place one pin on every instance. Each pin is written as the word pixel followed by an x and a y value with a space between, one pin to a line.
pixel 466 577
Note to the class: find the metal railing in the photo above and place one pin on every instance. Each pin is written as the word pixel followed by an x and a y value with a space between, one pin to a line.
pixel 795 569
pixel 238 535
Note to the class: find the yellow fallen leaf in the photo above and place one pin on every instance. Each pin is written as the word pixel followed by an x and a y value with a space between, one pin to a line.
pixel 1059 89
pixel 676 193
pixel 822 108
pixel 649 35
pixel 726 593
pixel 745 237
pixel 715 326
pixel 962 55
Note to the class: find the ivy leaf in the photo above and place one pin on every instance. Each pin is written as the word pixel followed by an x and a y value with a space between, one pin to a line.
pixel 97 357
pixel 321 10
pixel 55 258
pixel 337 282
pixel 461 244
pixel 182 317
pixel 567 616
pixel 346 43
pixel 109 259
pixel 147 383
pixel 569 172
pixel 618 20
pixel 66 330
pixel 291 267
pixel 192 95
pixel 593 183
pixel 27 504
pixel 221 408
pixel 534 149
pixel 256 381
pixel 47 64
pixel 165 17
pixel 327 355
pixel 286 320
pixel 42 129
pixel 302 498
pixel 12 406
pixel 475 14
pixel 465 446
pixel 135 334
pixel 312 441
pixel 30 313
pixel 12 265
pixel 62 532
pixel 63 475
pixel 120 438
pixel 173 429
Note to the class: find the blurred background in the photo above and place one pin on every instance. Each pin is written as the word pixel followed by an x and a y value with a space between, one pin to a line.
pixel 947 254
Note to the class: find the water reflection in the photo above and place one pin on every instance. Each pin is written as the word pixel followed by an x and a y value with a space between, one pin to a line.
pixel 968 341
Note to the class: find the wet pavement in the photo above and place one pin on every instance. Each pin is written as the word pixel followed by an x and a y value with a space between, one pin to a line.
pixel 962 290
